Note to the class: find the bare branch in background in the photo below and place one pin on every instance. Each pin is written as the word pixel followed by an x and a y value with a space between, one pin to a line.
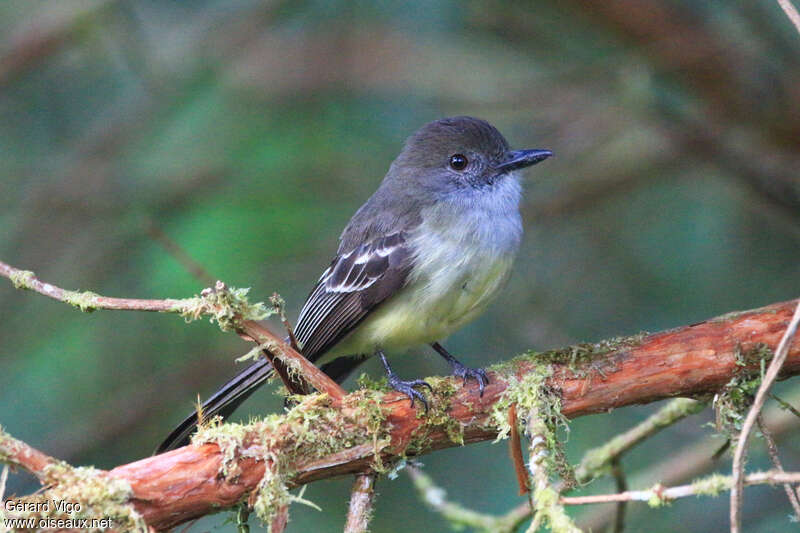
pixel 622 486
pixel 772 450
pixel 362 500
pixel 229 307
pixel 598 459
pixel 771 375
pixel 458 515
pixel 791 12
pixel 688 463
pixel 710 486
pixel 195 269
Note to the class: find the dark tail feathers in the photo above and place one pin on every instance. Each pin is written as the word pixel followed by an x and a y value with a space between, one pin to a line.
pixel 225 401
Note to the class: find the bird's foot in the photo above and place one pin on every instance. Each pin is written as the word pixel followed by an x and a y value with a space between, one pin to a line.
pixel 407 388
pixel 478 374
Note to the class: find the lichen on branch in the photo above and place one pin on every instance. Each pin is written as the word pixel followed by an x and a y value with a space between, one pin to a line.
pixel 308 432
pixel 227 306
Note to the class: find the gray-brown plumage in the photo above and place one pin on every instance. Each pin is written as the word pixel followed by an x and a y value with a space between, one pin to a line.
pixel 423 256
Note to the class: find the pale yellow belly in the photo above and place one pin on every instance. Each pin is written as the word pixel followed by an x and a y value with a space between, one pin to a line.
pixel 435 304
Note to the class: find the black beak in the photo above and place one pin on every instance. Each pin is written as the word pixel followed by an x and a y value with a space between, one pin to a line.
pixel 523 158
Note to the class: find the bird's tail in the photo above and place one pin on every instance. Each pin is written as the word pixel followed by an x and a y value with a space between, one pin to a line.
pixel 223 403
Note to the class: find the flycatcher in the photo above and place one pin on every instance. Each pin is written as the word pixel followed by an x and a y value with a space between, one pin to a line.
pixel 421 258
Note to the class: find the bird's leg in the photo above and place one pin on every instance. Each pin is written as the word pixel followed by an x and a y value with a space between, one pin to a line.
pixel 406 387
pixel 460 370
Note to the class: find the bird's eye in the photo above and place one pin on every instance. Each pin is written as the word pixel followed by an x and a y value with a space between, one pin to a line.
pixel 458 162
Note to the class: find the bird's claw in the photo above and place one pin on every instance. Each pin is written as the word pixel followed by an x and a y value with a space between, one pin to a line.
pixel 478 374
pixel 407 388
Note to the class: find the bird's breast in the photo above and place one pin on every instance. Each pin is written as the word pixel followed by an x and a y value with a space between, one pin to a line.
pixel 461 256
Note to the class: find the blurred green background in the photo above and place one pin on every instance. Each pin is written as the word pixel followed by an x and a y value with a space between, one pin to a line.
pixel 249 131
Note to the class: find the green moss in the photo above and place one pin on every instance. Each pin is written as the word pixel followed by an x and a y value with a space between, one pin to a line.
pixel 656 497
pixel 554 515
pixel 226 306
pixel 365 381
pixel 311 430
pixel 532 395
pixel 272 494
pixel 578 357
pixel 229 437
pixel 255 353
pixel 755 356
pixel 22 279
pixel 712 485
pixel 737 314
pixel 734 400
pixel 437 418
pixel 89 493
pixel 586 352
pixel 85 301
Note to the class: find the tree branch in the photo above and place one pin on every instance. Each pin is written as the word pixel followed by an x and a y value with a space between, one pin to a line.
pixel 16 453
pixel 458 515
pixel 596 460
pixel 372 428
pixel 227 306
pixel 687 463
pixel 321 438
pixel 771 375
pixel 710 486
pixel 791 12
pixel 362 498
pixel 772 450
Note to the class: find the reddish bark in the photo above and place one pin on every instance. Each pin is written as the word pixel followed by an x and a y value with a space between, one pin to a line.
pixel 688 361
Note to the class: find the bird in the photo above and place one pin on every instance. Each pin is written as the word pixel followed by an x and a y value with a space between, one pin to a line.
pixel 420 259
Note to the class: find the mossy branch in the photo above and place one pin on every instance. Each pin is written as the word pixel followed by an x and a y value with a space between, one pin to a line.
pixel 369 430
pixel 597 460
pixel 227 306
pixel 659 495
pixel 97 493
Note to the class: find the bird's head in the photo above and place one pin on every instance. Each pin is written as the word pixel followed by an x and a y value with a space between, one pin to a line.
pixel 458 153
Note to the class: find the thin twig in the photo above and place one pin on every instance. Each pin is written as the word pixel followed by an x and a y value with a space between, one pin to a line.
pixel 87 301
pixel 461 517
pixel 191 308
pixel 761 396
pixel 316 377
pixel 242 517
pixel 292 385
pixel 362 499
pixel 515 451
pixel 786 405
pixel 597 459
pixel 3 479
pixel 14 452
pixel 622 486
pixel 280 307
pixel 279 520
pixel 772 450
pixel 689 463
pixel 791 12
pixel 544 498
pixel 193 267
pixel 708 486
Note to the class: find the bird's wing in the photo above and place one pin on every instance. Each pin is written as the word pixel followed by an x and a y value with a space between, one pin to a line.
pixel 349 289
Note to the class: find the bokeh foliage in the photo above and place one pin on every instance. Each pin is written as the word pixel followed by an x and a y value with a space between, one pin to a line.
pixel 249 131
